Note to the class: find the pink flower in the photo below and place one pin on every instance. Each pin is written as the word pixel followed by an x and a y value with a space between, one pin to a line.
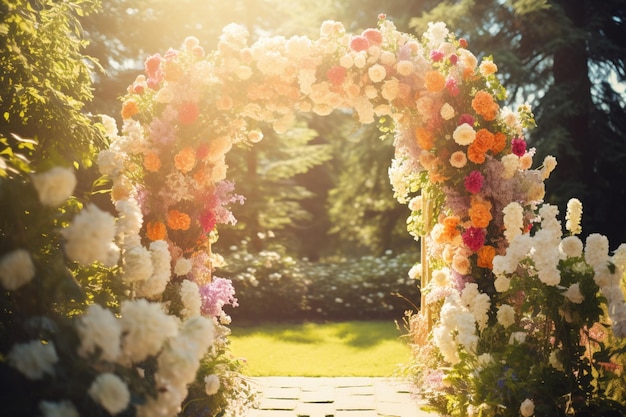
pixel 153 66
pixel 452 87
pixel 336 74
pixel 359 43
pixel 436 56
pixel 474 238
pixel 216 295
pixel 373 36
pixel 453 59
pixel 518 146
pixel 188 112
pixel 474 182
pixel 466 118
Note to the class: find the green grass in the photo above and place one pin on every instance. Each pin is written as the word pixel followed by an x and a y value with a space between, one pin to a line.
pixel 355 348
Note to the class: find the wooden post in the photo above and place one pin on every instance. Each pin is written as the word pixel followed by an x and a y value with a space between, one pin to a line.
pixel 426 219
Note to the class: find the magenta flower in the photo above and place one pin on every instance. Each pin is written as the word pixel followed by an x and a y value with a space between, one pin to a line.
pixel 474 182
pixel 436 56
pixel 518 146
pixel 452 87
pixel 454 59
pixel 474 238
pixel 466 118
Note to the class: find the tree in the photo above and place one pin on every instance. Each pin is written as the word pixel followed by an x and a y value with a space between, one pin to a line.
pixel 560 55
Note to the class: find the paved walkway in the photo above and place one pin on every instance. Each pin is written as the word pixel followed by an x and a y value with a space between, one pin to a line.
pixel 335 397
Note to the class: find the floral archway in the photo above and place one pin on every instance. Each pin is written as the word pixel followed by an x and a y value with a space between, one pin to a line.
pixel 507 300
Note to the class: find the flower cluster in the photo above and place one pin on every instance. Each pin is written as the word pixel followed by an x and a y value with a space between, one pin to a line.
pixel 504 281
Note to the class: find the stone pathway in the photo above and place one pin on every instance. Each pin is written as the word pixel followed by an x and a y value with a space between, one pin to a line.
pixel 335 397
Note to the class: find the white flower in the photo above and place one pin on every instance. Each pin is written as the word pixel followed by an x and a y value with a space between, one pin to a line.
pixel 513 220
pixel 110 125
pixel 571 247
pixel 61 409
pixel 446 111
pixel 16 269
pixel 33 359
pixel 155 285
pixel 506 315
pixel 110 162
pixel 416 271
pixel 211 384
pixel 464 134
pixel 377 73
pixel 502 283
pixel 596 250
pixel 190 296
pixel 574 216
pixel 145 327
pixel 182 267
pixel 99 329
pixel 90 237
pixel 110 392
pixel 510 163
pixel 130 218
pixel 404 68
pixel 54 186
pixel 137 264
pixel 527 407
pixel 573 294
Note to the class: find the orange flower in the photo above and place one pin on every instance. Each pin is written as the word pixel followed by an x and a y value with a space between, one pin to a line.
pixel 484 140
pixel 156 231
pixel 424 138
pixel 484 105
pixel 185 160
pixel 177 220
pixel 129 109
pixel 475 155
pixel 480 213
pixel 485 256
pixel 152 162
pixel 450 230
pixel 499 143
pixel 434 81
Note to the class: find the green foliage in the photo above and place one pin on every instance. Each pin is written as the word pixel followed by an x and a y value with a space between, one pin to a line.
pixel 45 80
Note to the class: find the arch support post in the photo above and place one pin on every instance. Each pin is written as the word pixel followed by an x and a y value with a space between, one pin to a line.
pixel 426 219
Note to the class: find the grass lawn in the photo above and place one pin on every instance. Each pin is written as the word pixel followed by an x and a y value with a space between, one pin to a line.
pixel 354 348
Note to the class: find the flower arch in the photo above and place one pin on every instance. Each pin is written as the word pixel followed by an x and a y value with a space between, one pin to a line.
pixel 489 247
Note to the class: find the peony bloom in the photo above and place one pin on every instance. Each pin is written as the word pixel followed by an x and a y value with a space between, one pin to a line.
pixel 185 160
pixel 374 36
pixel 484 105
pixel 359 43
pixel 90 237
pixel 446 111
pixel 377 73
pixel 156 231
pixel 129 109
pixel 336 75
pixel 16 269
pixel 458 159
pixel 474 182
pixel 474 238
pixel 177 220
pixel 527 408
pixel 518 146
pixel 54 186
pixel 33 359
pixel 434 81
pixel 99 330
pixel 145 327
pixel 506 315
pixel 110 392
pixel 487 68
pixel 464 134
pixel 211 384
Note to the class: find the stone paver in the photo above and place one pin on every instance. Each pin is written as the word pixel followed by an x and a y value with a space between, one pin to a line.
pixel 335 397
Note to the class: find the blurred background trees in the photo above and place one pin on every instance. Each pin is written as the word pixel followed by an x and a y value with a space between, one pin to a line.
pixel 565 57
